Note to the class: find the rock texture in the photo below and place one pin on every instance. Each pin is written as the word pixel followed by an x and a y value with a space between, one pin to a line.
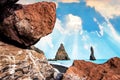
pixel 23 64
pixel 92 57
pixel 82 70
pixel 24 25
pixel 61 54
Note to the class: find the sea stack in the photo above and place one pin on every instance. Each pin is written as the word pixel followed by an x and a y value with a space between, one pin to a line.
pixel 61 53
pixel 92 57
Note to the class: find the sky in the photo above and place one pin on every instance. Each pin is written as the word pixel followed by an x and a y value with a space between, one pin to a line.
pixel 81 24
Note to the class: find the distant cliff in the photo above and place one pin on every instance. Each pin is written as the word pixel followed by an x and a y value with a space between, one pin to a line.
pixel 61 54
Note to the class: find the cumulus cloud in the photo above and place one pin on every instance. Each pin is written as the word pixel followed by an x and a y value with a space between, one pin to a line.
pixel 107 8
pixel 58 26
pixel 73 24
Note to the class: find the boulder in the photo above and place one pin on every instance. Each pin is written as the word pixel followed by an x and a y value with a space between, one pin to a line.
pixel 23 64
pixel 61 54
pixel 82 70
pixel 24 25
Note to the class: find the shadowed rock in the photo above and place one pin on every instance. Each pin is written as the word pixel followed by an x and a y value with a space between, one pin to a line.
pixel 24 25
pixel 92 57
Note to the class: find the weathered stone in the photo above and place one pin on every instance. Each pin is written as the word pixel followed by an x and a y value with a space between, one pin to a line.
pixel 24 25
pixel 23 64
pixel 82 70
pixel 61 54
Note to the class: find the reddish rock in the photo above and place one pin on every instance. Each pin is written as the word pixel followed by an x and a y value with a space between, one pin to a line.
pixel 82 70
pixel 25 25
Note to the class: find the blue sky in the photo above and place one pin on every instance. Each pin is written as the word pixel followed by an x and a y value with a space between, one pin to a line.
pixel 81 24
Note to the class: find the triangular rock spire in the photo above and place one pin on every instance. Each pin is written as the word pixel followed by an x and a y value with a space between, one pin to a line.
pixel 61 53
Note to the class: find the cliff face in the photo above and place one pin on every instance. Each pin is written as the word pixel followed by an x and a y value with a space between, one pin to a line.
pixel 24 25
pixel 61 54
pixel 90 71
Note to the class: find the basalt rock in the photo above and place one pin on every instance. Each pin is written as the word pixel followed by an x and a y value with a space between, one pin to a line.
pixel 61 54
pixel 23 64
pixel 24 25
pixel 82 70
pixel 92 57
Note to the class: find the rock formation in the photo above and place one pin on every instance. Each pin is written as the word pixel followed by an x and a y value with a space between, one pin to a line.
pixel 24 25
pixel 82 70
pixel 21 26
pixel 61 54
pixel 23 64
pixel 92 57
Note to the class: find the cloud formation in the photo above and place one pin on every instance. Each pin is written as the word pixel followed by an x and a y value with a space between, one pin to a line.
pixel 73 24
pixel 107 8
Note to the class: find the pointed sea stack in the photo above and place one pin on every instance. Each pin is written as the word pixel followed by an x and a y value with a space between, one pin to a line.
pixel 92 57
pixel 61 54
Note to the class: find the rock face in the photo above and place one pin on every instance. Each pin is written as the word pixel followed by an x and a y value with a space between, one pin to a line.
pixel 23 64
pixel 24 25
pixel 92 57
pixel 82 70
pixel 61 54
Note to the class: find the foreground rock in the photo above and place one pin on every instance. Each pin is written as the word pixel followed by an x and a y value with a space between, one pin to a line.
pixel 82 70
pixel 24 25
pixel 23 64
pixel 61 54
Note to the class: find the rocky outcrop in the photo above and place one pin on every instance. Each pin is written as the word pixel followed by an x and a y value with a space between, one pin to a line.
pixel 61 54
pixel 23 64
pixel 82 70
pixel 92 57
pixel 24 25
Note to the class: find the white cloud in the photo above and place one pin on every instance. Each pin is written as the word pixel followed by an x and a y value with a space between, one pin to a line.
pixel 73 24
pixel 86 46
pixel 107 8
pixel 111 31
pixel 27 1
pixel 45 41
pixel 101 32
pixel 58 26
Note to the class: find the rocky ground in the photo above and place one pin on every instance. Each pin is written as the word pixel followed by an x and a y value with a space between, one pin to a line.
pixel 82 70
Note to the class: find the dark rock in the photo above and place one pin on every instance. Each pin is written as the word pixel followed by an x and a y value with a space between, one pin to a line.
pixel 24 25
pixel 82 70
pixel 92 57
pixel 61 54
